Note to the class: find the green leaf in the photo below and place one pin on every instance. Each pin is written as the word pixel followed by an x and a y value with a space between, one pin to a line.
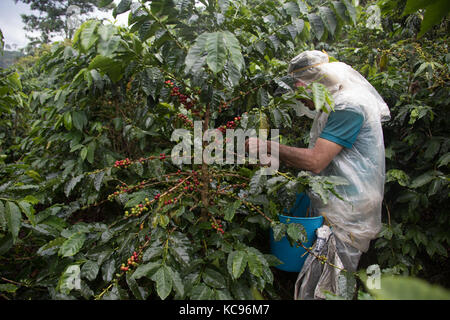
pixel 255 263
pixel 422 180
pixel 8 287
pixel 213 278
pixel 163 279
pixel 90 270
pixel 231 210
pixel 104 3
pixel 279 230
pixel 297 232
pixel 137 291
pixel 123 7
pixel 234 48
pixel 432 149
pixel 68 121
pixel 178 283
pixel 351 10
pixel 341 10
pixel 216 50
pixel 397 175
pixel 257 182
pixel 201 292
pixel 109 66
pixel 317 25
pixel 414 5
pixel 444 160
pixel 318 91
pixel 98 180
pixel 292 9
pixel 83 153
pixel 13 219
pixel 195 58
pixel 108 47
pixel 14 79
pixel 72 245
pixel 88 34
pixel 91 152
pixel 71 184
pixel 262 97
pixel 328 18
pixel 146 270
pixel 51 247
pixel 433 15
pixel 70 279
pixel 237 261
pixel 79 120
pixel 28 210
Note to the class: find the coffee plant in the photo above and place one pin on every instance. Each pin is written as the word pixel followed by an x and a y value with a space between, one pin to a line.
pixel 92 205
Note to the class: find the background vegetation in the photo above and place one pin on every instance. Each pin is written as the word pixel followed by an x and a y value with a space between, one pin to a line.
pixel 88 190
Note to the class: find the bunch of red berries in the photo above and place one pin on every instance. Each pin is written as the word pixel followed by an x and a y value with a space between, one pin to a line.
pixel 218 226
pixel 162 156
pixel 169 83
pixel 131 262
pixel 185 100
pixel 188 186
pixel 170 201
pixel 230 125
pixel 186 120
pixel 122 163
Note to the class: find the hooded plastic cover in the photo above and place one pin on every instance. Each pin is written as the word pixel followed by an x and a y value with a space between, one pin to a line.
pixel 357 219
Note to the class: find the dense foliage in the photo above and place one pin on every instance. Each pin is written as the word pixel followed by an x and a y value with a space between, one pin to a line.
pixel 88 190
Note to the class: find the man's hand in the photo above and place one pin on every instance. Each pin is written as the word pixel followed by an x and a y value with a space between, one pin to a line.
pixel 252 145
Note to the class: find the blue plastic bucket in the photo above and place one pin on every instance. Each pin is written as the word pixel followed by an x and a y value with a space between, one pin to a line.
pixel 294 257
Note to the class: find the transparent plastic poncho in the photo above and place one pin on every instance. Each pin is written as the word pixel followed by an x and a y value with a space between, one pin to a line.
pixel 357 219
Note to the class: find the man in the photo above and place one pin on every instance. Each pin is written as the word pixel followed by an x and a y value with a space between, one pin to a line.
pixel 347 143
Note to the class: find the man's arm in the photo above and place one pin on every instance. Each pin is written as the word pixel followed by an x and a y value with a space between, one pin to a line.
pixel 314 160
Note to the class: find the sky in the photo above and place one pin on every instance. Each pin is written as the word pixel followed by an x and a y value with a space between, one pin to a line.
pixel 12 26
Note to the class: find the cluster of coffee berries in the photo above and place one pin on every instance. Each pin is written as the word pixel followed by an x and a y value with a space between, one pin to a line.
pixel 230 125
pixel 188 186
pixel 131 262
pixel 122 163
pixel 183 99
pixel 187 122
pixel 231 186
pixel 217 225
pixel 162 156
pixel 166 202
pixel 138 209
pixel 125 189
pixel 170 201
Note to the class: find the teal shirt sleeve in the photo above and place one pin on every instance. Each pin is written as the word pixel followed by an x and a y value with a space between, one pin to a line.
pixel 342 127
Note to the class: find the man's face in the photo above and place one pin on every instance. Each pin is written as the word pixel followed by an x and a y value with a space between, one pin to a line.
pixel 307 102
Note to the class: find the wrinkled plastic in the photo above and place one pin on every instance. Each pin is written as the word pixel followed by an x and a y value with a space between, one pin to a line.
pixel 357 219
pixel 317 277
